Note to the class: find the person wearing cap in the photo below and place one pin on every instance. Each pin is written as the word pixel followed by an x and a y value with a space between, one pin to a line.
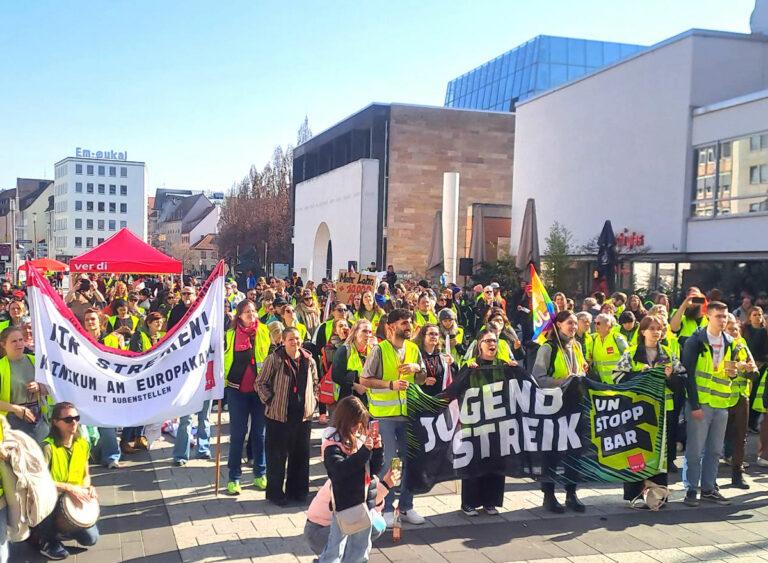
pixel 389 369
pixel 188 296
pixel 451 335
pixel 689 317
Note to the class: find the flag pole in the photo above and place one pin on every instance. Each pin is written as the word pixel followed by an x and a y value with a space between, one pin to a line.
pixel 218 448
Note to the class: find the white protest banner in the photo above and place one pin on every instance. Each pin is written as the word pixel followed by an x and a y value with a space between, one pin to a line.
pixel 113 388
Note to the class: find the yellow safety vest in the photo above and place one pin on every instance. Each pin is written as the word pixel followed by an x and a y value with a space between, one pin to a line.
pixel 113 319
pixel 5 382
pixel 559 369
pixel 420 320
pixel 740 385
pixel 758 404
pixel 689 326
pixel 605 354
pixel 146 341
pixel 669 403
pixel 383 403
pixel 374 321
pixel 354 363
pixel 69 469
pixel 260 349
pixel 713 385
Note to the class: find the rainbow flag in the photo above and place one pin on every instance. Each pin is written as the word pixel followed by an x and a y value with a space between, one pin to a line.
pixel 542 308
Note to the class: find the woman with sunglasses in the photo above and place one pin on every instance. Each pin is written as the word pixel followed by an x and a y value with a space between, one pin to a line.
pixel 349 359
pixel 20 395
pixel 325 330
pixel 486 490
pixel 288 318
pixel 308 311
pixel 440 366
pixel 67 455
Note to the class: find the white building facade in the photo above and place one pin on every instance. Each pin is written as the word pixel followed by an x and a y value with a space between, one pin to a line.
pixel 670 145
pixel 96 193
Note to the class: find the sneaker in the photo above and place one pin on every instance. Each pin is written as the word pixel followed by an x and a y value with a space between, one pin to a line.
pixel 113 465
pixel 691 498
pixel 389 518
pixel 260 483
pixel 716 497
pixel 204 455
pixel 54 550
pixel 762 462
pixel 491 510
pixel 469 511
pixel 412 517
pixel 234 488
pixel 179 462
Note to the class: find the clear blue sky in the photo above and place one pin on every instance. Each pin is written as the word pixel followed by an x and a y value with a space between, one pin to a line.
pixel 202 90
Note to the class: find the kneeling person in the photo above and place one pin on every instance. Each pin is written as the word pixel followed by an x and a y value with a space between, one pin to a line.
pixel 77 509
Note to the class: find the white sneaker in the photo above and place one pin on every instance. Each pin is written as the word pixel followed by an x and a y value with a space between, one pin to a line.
pixel 389 518
pixel 762 462
pixel 113 465
pixel 412 517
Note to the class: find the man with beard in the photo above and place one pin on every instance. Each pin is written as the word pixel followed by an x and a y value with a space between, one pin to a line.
pixel 690 316
pixel 389 369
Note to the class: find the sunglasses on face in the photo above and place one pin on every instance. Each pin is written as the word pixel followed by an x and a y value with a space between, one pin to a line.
pixel 342 309
pixel 70 419
pixel 185 293
pixel 489 341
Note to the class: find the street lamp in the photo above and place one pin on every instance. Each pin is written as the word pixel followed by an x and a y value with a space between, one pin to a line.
pixel 34 235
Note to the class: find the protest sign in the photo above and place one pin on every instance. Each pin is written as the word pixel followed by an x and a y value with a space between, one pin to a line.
pixel 504 423
pixel 114 388
pixel 354 283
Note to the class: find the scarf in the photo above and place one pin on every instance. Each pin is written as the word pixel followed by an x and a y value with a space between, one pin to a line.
pixel 244 336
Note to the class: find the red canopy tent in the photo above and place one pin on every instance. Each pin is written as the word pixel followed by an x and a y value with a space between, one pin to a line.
pixel 125 253
pixel 44 265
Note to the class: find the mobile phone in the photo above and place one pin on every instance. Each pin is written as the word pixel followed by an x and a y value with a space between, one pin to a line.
pixel 698 300
pixel 396 464
pixel 373 428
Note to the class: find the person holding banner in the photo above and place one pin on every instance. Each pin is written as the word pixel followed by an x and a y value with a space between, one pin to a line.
pixel 20 394
pixel 246 346
pixel 559 358
pixel 287 384
pixel 649 353
pixel 439 365
pixel 67 455
pixel 486 490
pixel 388 370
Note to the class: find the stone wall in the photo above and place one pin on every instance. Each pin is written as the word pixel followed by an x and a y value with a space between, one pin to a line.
pixel 425 142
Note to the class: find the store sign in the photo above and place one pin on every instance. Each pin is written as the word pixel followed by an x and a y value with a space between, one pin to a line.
pixel 629 240
pixel 109 155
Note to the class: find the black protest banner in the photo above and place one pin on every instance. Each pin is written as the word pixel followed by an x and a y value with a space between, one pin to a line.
pixel 505 423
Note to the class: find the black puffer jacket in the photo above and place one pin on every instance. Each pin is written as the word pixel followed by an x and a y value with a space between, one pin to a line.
pixel 347 472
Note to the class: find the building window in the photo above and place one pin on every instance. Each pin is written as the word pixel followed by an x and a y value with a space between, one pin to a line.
pixel 100 224
pixel 89 188
pixel 123 171
pixel 113 171
pixel 203 255
pixel 100 240
pixel 89 169
pixel 112 207
pixel 89 242
pixel 78 205
pixel 101 170
pixel 89 224
pixel 89 206
pixel 101 189
pixel 111 224
pixel 78 224
pixel 101 207
pixel 78 241
pixel 123 208
pixel 730 177
pixel 78 168
pixel 123 224
pixel 112 189
pixel 79 187
pixel 123 190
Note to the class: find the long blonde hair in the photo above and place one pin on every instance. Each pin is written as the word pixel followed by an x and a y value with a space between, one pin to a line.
pixel 351 340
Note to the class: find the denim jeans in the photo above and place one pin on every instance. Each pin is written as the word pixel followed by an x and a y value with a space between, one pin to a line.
pixel 354 548
pixel 394 436
pixel 181 445
pixel 108 447
pixel 244 406
pixel 84 536
pixel 704 446
pixel 4 535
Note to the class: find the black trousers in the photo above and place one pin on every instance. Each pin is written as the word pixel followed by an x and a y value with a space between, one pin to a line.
pixel 287 442
pixel 485 490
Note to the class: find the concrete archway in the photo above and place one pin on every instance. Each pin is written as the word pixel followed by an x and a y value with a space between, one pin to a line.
pixel 322 257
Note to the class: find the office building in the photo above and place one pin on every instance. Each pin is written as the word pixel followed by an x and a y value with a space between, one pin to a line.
pixel 96 193
pixel 542 63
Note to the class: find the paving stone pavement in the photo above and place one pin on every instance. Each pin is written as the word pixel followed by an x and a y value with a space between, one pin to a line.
pixel 154 511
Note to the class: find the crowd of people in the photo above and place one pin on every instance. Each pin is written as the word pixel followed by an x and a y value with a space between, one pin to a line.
pixel 293 353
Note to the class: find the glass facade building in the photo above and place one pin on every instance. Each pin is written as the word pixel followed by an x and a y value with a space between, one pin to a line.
pixel 542 63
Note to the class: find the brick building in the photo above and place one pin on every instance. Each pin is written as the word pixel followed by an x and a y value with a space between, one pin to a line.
pixel 369 189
